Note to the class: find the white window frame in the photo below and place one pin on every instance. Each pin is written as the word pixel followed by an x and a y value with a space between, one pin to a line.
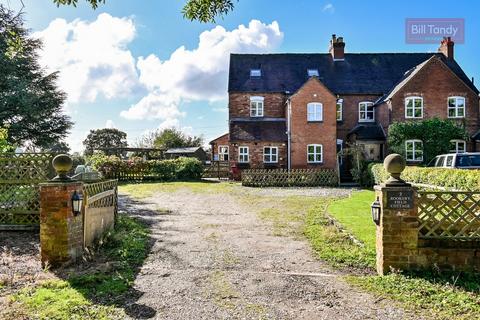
pixel 257 106
pixel 456 108
pixel 364 105
pixel 315 153
pixel 313 73
pixel 255 73
pixel 243 157
pixel 414 150
pixel 457 143
pixel 221 155
pixel 271 154
pixel 414 108
pixel 314 112
pixel 339 103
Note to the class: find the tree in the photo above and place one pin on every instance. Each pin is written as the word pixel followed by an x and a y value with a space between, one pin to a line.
pixel 57 147
pixel 105 140
pixel 435 134
pixel 200 10
pixel 174 138
pixel 4 145
pixel 30 102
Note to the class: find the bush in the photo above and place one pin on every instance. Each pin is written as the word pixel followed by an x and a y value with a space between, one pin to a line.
pixel 447 178
pixel 138 169
pixel 363 175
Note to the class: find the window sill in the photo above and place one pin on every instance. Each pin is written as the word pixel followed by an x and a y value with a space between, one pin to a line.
pixel 314 121
pixel 414 118
pixel 366 121
pixel 456 117
pixel 315 163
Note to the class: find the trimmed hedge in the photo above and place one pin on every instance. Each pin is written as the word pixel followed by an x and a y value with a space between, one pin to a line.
pixel 113 167
pixel 457 179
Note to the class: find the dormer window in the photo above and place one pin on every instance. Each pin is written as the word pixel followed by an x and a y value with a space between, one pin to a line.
pixel 312 73
pixel 255 73
pixel 256 106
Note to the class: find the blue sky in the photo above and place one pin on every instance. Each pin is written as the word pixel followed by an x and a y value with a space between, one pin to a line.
pixel 117 66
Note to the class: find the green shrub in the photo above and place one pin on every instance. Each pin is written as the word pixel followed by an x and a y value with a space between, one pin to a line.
pixel 139 169
pixel 363 174
pixel 457 179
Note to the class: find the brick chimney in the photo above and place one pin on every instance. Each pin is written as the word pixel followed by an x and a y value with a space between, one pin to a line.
pixel 446 47
pixel 337 48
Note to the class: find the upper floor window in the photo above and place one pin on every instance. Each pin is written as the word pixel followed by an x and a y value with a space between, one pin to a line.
pixel 414 150
pixel 456 107
pixel 458 146
pixel 366 112
pixel 222 153
pixel 312 72
pixel 314 111
pixel 414 107
pixel 255 73
pixel 270 154
pixel 314 153
pixel 256 106
pixel 243 154
pixel 339 109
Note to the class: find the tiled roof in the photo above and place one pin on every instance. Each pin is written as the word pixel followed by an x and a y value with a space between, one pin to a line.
pixel 256 131
pixel 359 73
pixel 368 132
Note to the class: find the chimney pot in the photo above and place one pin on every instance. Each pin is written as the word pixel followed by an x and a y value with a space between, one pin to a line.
pixel 446 47
pixel 337 48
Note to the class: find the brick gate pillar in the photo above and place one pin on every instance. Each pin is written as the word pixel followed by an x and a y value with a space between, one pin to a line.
pixel 61 230
pixel 397 228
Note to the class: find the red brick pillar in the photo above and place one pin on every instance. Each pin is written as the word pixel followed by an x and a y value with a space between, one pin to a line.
pixel 397 230
pixel 61 233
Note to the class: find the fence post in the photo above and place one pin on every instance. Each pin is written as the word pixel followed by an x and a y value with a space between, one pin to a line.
pixel 397 223
pixel 61 229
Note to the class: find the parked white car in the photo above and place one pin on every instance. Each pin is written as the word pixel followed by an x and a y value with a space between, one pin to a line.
pixel 467 160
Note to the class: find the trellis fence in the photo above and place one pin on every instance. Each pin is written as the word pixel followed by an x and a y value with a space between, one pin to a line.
pixel 449 215
pixel 20 175
pixel 100 200
pixel 292 178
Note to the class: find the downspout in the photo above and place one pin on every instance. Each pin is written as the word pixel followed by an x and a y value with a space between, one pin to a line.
pixel 289 134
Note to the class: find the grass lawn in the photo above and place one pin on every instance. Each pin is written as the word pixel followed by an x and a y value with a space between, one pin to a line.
pixel 145 190
pixel 93 295
pixel 446 295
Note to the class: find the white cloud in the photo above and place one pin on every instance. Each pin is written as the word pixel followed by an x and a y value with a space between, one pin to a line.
pixel 155 105
pixel 92 57
pixel 110 124
pixel 329 8
pixel 201 73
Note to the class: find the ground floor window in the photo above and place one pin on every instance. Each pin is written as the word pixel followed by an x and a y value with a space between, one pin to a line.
pixel 243 154
pixel 315 153
pixel 414 150
pixel 458 146
pixel 222 153
pixel 270 154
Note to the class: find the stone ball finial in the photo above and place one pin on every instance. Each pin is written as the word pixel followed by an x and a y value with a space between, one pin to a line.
pixel 394 164
pixel 62 164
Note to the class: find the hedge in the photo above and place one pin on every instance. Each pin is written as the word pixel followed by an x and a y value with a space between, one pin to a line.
pixel 112 167
pixel 456 179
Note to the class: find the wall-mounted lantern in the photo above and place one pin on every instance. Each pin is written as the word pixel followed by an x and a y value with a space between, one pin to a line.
pixel 77 200
pixel 376 211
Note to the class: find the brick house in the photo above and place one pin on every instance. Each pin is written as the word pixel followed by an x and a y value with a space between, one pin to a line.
pixel 299 110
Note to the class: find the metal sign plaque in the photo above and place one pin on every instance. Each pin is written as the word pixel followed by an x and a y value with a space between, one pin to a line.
pixel 399 199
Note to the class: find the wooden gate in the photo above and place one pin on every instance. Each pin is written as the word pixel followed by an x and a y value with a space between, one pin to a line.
pixel 20 175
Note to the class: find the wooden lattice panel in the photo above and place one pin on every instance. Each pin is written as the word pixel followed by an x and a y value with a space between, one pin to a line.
pixel 101 194
pixel 292 178
pixel 449 215
pixel 20 175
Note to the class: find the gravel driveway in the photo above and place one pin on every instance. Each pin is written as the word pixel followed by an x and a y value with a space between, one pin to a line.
pixel 212 258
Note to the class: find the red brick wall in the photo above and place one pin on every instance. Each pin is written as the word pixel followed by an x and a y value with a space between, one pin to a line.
pixel 273 104
pixel 220 141
pixel 350 113
pixel 435 83
pixel 256 154
pixel 305 133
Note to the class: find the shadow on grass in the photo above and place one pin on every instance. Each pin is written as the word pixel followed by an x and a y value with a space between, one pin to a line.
pixel 99 287
pixel 467 281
